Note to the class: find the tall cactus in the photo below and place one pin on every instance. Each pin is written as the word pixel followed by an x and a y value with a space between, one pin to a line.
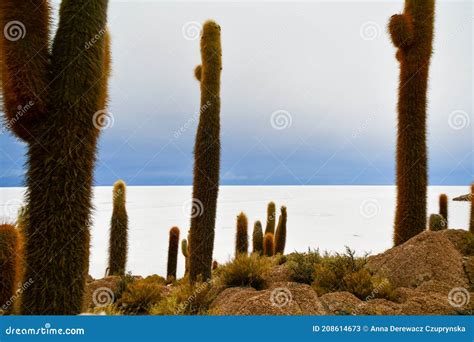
pixel 9 266
pixel 280 236
pixel 271 216
pixel 60 90
pixel 173 253
pixel 185 251
pixel 412 34
pixel 241 236
pixel 471 220
pixel 206 154
pixel 257 238
pixel 268 245
pixel 443 208
pixel 118 244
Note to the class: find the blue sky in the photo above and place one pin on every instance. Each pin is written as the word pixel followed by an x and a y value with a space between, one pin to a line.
pixel 327 70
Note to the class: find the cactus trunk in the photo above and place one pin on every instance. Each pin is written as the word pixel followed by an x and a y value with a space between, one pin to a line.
pixel 271 215
pixel 280 236
pixel 206 155
pixel 173 253
pixel 118 244
pixel 412 35
pixel 268 245
pixel 9 266
pixel 241 238
pixel 65 89
pixel 257 238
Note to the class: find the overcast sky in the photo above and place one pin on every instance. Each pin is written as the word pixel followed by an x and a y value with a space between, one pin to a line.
pixel 309 94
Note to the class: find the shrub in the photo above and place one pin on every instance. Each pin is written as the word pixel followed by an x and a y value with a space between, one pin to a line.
pixel 246 270
pixel 139 297
pixel 302 266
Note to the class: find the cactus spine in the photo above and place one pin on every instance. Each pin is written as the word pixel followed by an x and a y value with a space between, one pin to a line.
pixel 118 243
pixel 443 207
pixel 412 35
pixel 173 253
pixel 257 238
pixel 206 154
pixel 9 266
pixel 268 245
pixel 271 215
pixel 280 236
pixel 60 90
pixel 471 221
pixel 241 238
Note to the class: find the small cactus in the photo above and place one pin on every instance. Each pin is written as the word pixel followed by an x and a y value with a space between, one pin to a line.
pixel 185 251
pixel 173 253
pixel 241 238
pixel 9 265
pixel 257 238
pixel 443 207
pixel 215 265
pixel 268 245
pixel 271 215
pixel 280 236
pixel 118 244
pixel 437 222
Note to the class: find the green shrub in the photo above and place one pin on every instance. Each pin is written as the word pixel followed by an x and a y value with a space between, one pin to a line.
pixel 246 270
pixel 139 297
pixel 302 266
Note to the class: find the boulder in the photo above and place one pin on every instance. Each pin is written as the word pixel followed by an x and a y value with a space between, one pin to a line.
pixel 340 302
pixel 282 298
pixel 425 257
pixel 100 292
pixel 464 198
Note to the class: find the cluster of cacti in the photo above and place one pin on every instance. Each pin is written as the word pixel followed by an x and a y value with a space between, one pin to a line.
pixel 173 253
pixel 241 236
pixel 63 87
pixel 206 154
pixel 412 35
pixel 9 265
pixel 185 251
pixel 271 216
pixel 118 244
pixel 436 222
pixel 269 245
pixel 443 207
pixel 280 235
pixel 257 238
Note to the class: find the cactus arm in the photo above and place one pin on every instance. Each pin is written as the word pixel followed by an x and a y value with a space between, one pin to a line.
pixel 25 58
pixel 401 30
pixel 79 57
pixel 106 70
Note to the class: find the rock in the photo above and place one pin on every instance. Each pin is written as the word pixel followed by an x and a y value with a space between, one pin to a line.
pixel 282 298
pixel 101 292
pixel 425 257
pixel 279 273
pixel 427 303
pixel 377 307
pixel 465 198
pixel 468 263
pixel 340 302
pixel 458 237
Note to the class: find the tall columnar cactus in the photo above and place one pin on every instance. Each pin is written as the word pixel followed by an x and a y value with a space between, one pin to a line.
pixel 9 266
pixel 173 253
pixel 471 221
pixel 118 244
pixel 271 216
pixel 443 207
pixel 269 245
pixel 280 236
pixel 185 251
pixel 52 95
pixel 412 34
pixel 257 238
pixel 206 154
pixel 241 236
